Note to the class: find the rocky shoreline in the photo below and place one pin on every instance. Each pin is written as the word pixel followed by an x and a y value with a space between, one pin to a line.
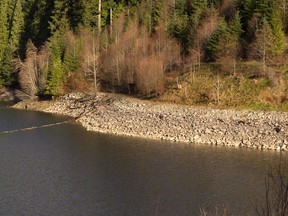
pixel 116 114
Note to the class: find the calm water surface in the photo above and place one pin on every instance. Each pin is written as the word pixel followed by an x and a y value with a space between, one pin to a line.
pixel 64 170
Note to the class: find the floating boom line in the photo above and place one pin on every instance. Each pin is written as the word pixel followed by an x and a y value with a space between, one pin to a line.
pixel 35 127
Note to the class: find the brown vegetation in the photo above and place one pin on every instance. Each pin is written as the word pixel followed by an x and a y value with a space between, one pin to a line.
pixel 136 59
pixel 34 71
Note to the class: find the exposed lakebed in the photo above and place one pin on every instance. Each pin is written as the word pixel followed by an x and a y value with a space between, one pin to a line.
pixel 121 115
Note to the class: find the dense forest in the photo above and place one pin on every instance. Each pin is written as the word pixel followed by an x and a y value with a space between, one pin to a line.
pixel 204 51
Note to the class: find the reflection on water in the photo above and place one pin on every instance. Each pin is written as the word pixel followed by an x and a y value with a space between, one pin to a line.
pixel 65 170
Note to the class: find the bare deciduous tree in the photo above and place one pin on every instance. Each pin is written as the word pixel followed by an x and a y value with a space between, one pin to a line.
pixel 99 15
pixel 263 46
pixel 276 192
pixel 34 70
pixel 149 75
pixel 90 65
pixel 205 30
pixel 124 61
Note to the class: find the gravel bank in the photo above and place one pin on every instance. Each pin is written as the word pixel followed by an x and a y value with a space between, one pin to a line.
pixel 125 116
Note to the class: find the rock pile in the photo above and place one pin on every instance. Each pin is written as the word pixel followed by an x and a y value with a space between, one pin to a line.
pixel 125 116
pixel 6 95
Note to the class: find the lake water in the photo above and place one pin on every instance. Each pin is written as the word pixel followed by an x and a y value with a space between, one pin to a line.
pixel 65 170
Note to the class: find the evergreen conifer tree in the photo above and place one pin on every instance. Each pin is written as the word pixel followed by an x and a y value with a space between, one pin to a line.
pixel 225 41
pixel 56 70
pixel 59 26
pixel 6 73
pixel 71 60
pixel 90 14
pixel 235 27
pixel 5 49
pixel 263 47
pixel 185 21
pixel 214 45
pixel 276 26
pixel 3 27
pixel 16 23
pixel 59 19
pixel 37 18
pixel 75 13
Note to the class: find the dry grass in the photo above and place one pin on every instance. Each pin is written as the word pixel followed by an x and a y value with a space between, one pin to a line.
pixel 214 88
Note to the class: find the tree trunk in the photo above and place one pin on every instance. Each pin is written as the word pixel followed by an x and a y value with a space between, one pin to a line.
pixel 99 16
pixel 95 66
pixel 111 22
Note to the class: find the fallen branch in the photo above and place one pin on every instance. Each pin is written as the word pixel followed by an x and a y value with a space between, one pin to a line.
pixel 34 128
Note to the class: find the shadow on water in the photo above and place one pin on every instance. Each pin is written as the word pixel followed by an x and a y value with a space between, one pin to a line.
pixel 14 119
pixel 65 170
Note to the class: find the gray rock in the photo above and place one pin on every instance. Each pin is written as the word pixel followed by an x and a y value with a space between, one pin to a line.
pixel 108 113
